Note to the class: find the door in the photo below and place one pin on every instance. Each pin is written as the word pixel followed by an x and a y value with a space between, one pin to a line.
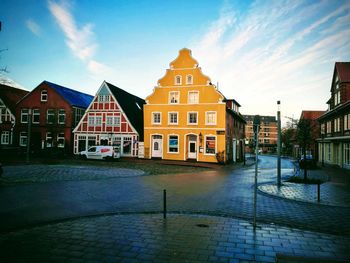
pixel 234 151
pixel 192 153
pixel 157 147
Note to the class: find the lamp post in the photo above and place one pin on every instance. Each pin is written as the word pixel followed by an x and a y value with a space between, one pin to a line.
pixel 279 143
pixel 28 134
pixel 256 128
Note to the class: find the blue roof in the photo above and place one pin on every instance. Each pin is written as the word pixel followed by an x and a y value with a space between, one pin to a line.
pixel 73 97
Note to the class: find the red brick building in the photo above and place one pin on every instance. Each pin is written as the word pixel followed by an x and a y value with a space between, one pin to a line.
pixel 48 114
pixel 115 117
pixel 9 96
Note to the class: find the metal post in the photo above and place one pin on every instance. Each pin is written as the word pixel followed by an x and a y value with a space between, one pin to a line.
pixel 256 173
pixel 164 204
pixel 28 134
pixel 322 152
pixel 279 144
pixel 318 192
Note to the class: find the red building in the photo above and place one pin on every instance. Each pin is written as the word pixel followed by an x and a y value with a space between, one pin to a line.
pixel 115 117
pixel 9 96
pixel 48 114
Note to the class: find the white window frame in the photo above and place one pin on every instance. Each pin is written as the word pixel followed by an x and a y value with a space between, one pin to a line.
pixel 337 97
pixel 43 95
pixel 47 116
pixel 5 137
pixel 196 101
pixel 178 80
pixel 337 125
pixel 91 121
pixel 23 137
pixel 323 128
pixel 205 144
pixel 109 121
pixel 189 82
pixel 189 118
pixel 104 98
pixel 160 117
pixel 168 148
pixel 169 118
pixel 36 112
pixel 329 127
pixel 61 114
pixel 176 95
pixel 98 120
pixel 207 120
pixel 24 112
pixel 346 122
pixel 60 137
pixel 49 136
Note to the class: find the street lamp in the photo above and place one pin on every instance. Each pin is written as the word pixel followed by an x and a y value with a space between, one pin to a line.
pixel 279 143
pixel 256 128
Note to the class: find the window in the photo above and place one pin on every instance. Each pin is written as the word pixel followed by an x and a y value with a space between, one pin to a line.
pixel 192 118
pixel 98 120
pixel 24 115
pixel 172 117
pixel 5 137
pixel 174 97
pixel 329 127
pixel 50 116
pixel 23 139
pixel 323 128
pixel 36 116
pixel 347 153
pixel 116 121
pixel 156 118
pixel 346 122
pixel 60 140
pixel 109 120
pixel 44 95
pixel 210 118
pixel 178 80
pixel 61 116
pixel 103 98
pixel 193 97
pixel 173 144
pixel 91 120
pixel 210 144
pixel 48 139
pixel 127 143
pixel 337 97
pixel 337 125
pixel 189 79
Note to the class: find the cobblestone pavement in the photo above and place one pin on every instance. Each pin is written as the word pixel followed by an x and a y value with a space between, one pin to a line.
pixel 179 238
pixel 329 193
pixel 220 193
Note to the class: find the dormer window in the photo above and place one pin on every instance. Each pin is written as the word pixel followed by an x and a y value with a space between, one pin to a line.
pixel 189 79
pixel 178 80
pixel 44 95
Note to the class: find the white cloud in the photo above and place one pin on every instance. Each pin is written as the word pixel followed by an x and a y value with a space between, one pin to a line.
pixel 79 40
pixel 277 50
pixel 33 27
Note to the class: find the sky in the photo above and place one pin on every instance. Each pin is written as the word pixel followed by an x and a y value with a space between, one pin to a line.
pixel 256 52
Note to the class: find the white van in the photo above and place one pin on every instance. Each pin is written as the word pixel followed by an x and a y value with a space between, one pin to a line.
pixel 101 152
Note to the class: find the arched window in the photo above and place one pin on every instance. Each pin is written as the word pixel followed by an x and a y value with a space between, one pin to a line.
pixel 178 80
pixel 189 79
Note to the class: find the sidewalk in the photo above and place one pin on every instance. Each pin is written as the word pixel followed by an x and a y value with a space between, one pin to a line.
pixel 335 191
pixel 179 238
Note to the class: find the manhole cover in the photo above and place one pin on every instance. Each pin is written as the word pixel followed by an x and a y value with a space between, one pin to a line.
pixel 202 225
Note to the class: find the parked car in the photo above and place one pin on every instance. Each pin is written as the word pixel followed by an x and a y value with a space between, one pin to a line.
pixel 309 162
pixel 101 152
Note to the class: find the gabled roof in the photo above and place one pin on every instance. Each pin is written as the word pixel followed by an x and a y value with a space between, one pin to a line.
pixel 131 105
pixel 311 114
pixel 10 96
pixel 343 69
pixel 73 97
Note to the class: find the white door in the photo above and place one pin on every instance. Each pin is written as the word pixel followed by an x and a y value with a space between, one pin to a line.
pixel 234 150
pixel 157 147
pixel 192 152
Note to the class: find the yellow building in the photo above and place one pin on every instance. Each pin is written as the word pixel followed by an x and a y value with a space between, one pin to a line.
pixel 185 116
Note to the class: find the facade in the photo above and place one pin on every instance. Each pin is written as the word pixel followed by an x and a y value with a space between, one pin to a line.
pixel 48 114
pixel 185 117
pixel 312 148
pixel 334 140
pixel 114 117
pixel 9 96
pixel 267 135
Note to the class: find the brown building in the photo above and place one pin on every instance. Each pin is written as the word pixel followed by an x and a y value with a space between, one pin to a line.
pixel 48 114
pixel 9 96
pixel 267 133
pixel 334 140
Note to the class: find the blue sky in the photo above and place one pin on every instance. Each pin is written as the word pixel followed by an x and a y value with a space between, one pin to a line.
pixel 257 51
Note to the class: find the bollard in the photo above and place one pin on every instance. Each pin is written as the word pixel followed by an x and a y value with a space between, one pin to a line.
pixel 164 204
pixel 318 192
